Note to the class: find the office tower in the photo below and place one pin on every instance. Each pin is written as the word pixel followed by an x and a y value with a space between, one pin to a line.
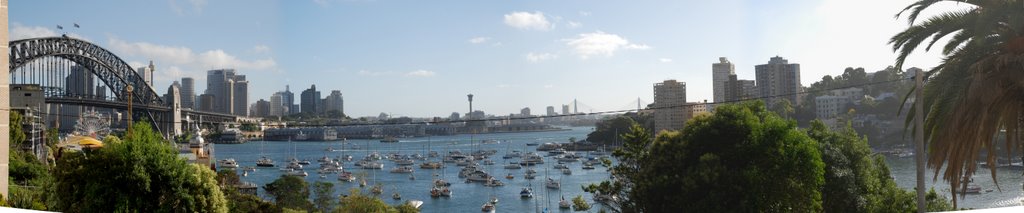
pixel 670 111
pixel 288 100
pixel 525 112
pixel 261 109
pixel 240 95
pixel 778 78
pixel 738 89
pixel 146 73
pixel 720 73
pixel 308 100
pixel 277 107
pixel 334 102
pixel 188 92
pixel 551 111
pixel 565 109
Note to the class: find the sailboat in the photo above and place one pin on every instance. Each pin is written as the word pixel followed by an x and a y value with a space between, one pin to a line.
pixel 264 161
pixel 564 204
pixel 395 195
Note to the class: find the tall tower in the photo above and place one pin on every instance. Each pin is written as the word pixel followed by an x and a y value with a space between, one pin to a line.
pixel 778 77
pixel 470 96
pixel 720 73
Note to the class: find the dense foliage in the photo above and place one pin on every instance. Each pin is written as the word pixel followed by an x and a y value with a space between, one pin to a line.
pixel 607 130
pixel 141 173
pixel 290 192
pixel 324 200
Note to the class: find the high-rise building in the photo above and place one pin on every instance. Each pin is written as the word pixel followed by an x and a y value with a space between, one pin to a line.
pixel 670 111
pixel 79 83
pixel 551 111
pixel 334 102
pixel 737 89
pixel 230 91
pixel 720 73
pixel 206 102
pixel 261 109
pixel 565 109
pixel 288 100
pixel 240 95
pixel 778 78
pixel 525 112
pixel 188 92
pixel 455 116
pixel 147 73
pixel 277 107
pixel 309 100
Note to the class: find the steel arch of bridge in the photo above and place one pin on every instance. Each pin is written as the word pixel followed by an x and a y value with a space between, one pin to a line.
pixel 109 68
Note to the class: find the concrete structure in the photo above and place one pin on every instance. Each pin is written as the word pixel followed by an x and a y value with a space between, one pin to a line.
pixel 720 73
pixel 551 111
pixel 173 98
pixel 206 102
pixel 310 98
pixel 288 99
pixel 334 102
pixel 831 106
pixel 525 112
pixel 454 116
pixel 230 91
pixel 27 96
pixel 188 93
pixel 777 78
pixel 671 110
pixel 5 118
pixel 565 109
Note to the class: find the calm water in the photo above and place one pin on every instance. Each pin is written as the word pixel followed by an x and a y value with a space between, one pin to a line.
pixel 469 197
pixel 466 197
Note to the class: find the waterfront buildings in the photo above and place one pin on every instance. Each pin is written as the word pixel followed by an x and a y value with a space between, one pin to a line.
pixel 671 110
pixel 288 99
pixel 525 112
pixel 720 73
pixel 147 73
pixel 261 108
pixel 778 78
pixel 277 107
pixel 551 111
pixel 228 90
pixel 832 105
pixel 334 102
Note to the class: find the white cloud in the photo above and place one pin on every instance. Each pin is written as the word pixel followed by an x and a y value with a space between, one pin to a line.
pixel 186 59
pixel 538 57
pixel 19 32
pixel 665 60
pixel 477 40
pixel 528 21
pixel 196 7
pixel 574 25
pixel 420 73
pixel 600 43
pixel 584 13
pixel 261 49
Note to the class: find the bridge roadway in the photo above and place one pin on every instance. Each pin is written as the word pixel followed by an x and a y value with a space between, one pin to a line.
pixel 205 117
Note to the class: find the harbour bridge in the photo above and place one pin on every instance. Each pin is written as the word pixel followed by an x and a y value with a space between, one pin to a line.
pixel 72 73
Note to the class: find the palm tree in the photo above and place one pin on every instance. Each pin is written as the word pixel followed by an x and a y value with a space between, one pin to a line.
pixel 978 88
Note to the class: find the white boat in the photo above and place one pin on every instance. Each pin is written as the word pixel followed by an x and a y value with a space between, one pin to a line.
pixel 294 165
pixel 478 176
pixel 346 176
pixel 487 207
pixel 566 171
pixel 402 169
pixel 372 165
pixel 564 204
pixel 494 199
pixel 558 151
pixel 297 173
pixel 227 163
pixel 526 193
pixel 265 162
pixel 493 183
pixel 446 192
pixel 414 203
pixel 552 184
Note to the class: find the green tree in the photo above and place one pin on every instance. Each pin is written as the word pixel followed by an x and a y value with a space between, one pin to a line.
pixel 631 156
pixel 578 204
pixel 141 173
pixel 290 192
pixel 605 130
pixel 975 92
pixel 17 134
pixel 239 202
pixel 783 108
pixel 324 200
pixel 356 202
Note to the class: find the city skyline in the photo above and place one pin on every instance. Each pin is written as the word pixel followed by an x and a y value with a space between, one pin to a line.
pixel 511 54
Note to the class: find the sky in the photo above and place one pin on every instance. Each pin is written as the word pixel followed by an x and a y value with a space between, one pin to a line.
pixel 421 58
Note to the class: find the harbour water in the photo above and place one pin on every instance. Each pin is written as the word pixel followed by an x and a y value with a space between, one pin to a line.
pixel 468 197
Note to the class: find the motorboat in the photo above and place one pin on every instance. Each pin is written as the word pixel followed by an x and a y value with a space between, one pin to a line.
pixel 435 192
pixel 324 159
pixel 296 172
pixel 487 207
pixel 405 162
pixel 294 165
pixel 372 165
pixel 493 182
pixel 304 162
pixel 494 199
pixel 431 165
pixel 552 184
pixel 555 152
pixel 265 162
pixel 446 192
pixel 441 183
pixel 466 171
pixel 377 189
pixel 509 176
pixel 526 193
pixel 513 165
pixel 513 154
pixel 566 171
pixel 588 166
pixel 561 166
pixel 402 169
pixel 478 176
pixel 396 196
pixel 564 204
pixel 488 162
pixel 229 163
pixel 346 176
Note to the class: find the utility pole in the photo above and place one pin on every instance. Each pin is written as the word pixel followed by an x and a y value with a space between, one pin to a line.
pixel 129 89
pixel 919 137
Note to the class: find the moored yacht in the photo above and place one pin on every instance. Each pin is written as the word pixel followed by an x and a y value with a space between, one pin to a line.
pixel 265 162
pixel 402 169
pixel 552 184
pixel 229 163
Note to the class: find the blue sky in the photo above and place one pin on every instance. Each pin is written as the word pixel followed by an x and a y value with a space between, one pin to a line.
pixel 420 58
